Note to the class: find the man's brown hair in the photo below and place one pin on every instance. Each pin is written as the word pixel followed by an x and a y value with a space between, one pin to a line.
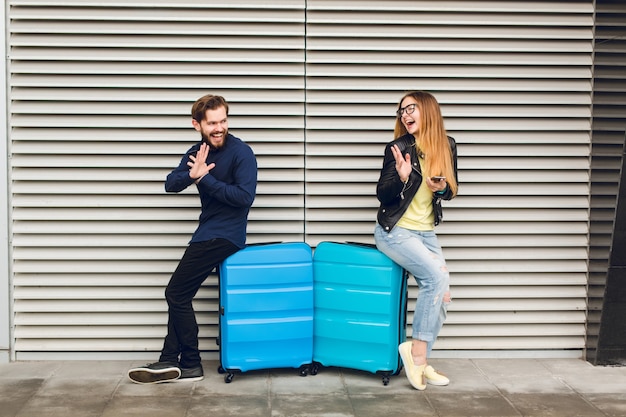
pixel 207 102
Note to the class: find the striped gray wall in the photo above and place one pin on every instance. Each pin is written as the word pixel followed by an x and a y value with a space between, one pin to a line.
pixel 98 115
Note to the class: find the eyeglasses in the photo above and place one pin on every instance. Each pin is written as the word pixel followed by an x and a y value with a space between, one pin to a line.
pixel 408 109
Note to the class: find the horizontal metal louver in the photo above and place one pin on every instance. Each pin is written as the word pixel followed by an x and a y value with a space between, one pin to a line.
pixel 514 82
pixel 100 113
pixel 99 101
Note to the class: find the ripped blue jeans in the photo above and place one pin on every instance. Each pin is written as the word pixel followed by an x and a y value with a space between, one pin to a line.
pixel 421 255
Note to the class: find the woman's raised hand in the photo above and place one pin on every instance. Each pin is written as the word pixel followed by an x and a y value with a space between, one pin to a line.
pixel 403 164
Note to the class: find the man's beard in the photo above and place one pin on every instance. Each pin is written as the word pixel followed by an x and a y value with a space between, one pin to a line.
pixel 206 140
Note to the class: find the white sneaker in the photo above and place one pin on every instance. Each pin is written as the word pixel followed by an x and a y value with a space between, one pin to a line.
pixel 434 377
pixel 415 374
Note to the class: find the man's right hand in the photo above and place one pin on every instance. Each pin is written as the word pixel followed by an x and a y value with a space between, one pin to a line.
pixel 197 163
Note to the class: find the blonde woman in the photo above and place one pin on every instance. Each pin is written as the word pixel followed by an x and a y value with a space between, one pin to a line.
pixel 419 171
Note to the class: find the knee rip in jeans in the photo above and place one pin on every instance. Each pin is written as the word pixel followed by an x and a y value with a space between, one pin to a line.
pixel 435 300
pixel 444 268
pixel 446 298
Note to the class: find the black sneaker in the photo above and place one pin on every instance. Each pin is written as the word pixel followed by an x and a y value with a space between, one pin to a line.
pixel 191 374
pixel 155 373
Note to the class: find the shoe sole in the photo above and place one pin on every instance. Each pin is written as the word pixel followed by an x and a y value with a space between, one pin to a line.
pixel 151 376
pixel 437 383
pixel 190 379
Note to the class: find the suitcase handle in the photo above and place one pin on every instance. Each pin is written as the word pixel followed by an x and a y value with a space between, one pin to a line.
pixel 367 245
pixel 263 243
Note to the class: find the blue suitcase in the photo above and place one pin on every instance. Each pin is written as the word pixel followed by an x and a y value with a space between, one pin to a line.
pixel 266 309
pixel 360 309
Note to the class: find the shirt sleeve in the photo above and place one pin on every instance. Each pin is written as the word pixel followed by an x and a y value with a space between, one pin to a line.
pixel 179 178
pixel 389 185
pixel 241 192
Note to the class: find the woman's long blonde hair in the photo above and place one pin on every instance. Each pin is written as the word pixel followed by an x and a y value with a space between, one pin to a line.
pixel 432 138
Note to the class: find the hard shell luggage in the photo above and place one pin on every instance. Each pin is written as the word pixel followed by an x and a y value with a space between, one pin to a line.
pixel 266 308
pixel 360 309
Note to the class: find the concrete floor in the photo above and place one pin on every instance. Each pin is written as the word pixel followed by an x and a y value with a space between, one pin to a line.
pixel 479 387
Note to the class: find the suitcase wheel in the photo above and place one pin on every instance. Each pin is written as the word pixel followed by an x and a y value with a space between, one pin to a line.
pixel 228 378
pixel 385 375
pixel 314 368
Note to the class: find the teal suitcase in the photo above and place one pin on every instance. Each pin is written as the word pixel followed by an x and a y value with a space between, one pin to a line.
pixel 359 309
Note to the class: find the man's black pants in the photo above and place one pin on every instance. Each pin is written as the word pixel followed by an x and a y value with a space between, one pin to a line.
pixel 199 260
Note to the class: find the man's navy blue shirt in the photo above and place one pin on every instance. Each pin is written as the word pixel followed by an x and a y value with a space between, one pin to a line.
pixel 226 192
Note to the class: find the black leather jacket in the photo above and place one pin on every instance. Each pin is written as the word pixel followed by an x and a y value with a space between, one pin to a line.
pixel 394 195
